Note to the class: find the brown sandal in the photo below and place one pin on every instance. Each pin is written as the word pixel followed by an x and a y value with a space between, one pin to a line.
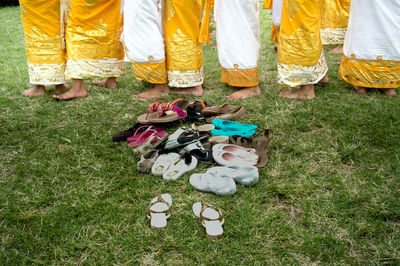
pixel 216 110
pixel 261 144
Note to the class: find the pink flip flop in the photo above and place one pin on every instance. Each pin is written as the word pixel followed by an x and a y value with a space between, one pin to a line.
pixel 141 137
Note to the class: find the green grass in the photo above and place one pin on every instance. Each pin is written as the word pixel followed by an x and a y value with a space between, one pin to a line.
pixel 68 195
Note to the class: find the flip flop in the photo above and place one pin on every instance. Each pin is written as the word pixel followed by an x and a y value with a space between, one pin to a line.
pixel 218 140
pixel 230 128
pixel 213 182
pixel 163 162
pixel 183 164
pixel 203 128
pixel 159 211
pixel 165 113
pixel 211 218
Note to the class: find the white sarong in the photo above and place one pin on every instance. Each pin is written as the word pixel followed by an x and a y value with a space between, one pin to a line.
pixel 238 41
pixel 372 44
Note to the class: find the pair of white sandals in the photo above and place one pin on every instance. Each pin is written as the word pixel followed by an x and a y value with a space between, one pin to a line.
pixel 211 217
pixel 171 166
pixel 221 180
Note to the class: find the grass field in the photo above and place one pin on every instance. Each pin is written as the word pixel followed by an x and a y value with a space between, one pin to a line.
pixel 68 195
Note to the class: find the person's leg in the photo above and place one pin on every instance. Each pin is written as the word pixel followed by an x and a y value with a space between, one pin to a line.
pixel 144 45
pixel 78 90
pixel 334 20
pixel 98 52
pixel 389 92
pixel 110 83
pixel 238 40
pixel 362 66
pixel 44 43
pixel 38 90
pixel 337 50
pixel 183 51
pixel 301 60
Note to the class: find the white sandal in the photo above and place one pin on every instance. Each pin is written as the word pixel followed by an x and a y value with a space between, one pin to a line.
pixel 163 162
pixel 211 218
pixel 159 211
pixel 183 164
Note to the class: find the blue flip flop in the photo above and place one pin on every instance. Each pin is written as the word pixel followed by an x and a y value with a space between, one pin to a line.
pixel 230 128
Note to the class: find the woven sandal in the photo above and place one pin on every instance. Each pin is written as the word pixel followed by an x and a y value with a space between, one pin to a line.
pixel 159 211
pixel 211 218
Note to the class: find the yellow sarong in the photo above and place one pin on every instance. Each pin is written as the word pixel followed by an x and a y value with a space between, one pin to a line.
pixel 301 60
pixel 184 53
pixel 93 35
pixel 335 16
pixel 43 23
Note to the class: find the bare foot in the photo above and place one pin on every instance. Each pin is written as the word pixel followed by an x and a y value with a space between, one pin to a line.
pixel 60 88
pixel 244 93
pixel 361 90
pixel 196 91
pixel 324 80
pixel 389 92
pixel 157 91
pixel 38 90
pixel 110 83
pixel 305 92
pixel 78 90
pixel 337 50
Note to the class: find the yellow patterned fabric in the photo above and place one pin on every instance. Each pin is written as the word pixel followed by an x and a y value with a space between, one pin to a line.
pixel 335 16
pixel 384 74
pixel 43 23
pixel 300 60
pixel 184 54
pixel 240 77
pixel 93 39
pixel 267 4
pixel 151 72
pixel 274 33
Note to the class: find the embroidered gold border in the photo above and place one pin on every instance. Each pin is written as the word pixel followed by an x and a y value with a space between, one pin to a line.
pixel 370 73
pixel 240 77
pixel 155 73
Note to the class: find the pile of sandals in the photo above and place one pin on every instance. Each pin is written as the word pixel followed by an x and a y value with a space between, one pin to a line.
pixel 211 136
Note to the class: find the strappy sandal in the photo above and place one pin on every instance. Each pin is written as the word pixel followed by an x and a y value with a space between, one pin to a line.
pixel 161 113
pixel 197 150
pixel 150 133
pixel 181 103
pixel 211 218
pixel 159 211
pixel 151 143
pixel 194 111
pixel 241 141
